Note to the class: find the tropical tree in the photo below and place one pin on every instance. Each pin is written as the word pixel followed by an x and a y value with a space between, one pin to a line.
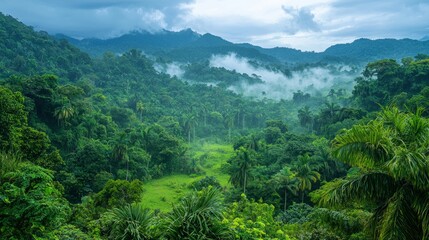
pixel 117 193
pixel 64 113
pixel 140 109
pixel 30 203
pixel 326 165
pixel 229 122
pixel 330 111
pixel 204 112
pixel 190 124
pixel 129 222
pixel 12 118
pixel 305 175
pixel 242 163
pixel 305 117
pixel 120 151
pixel 197 216
pixel 250 219
pixel 391 153
pixel 285 180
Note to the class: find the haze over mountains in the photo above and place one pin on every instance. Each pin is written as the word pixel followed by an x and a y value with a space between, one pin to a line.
pixel 189 46
pixel 253 71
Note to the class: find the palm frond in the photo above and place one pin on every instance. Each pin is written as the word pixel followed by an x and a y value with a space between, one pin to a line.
pixel 393 118
pixel 131 221
pixel 411 166
pixel 421 206
pixel 374 222
pixel 363 146
pixel 400 220
pixel 416 129
pixel 365 187
pixel 197 216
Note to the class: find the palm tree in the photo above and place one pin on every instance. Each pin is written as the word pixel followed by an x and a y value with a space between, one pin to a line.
pixel 305 117
pixel 305 175
pixel 332 109
pixel 392 153
pixel 204 111
pixel 285 179
pixel 64 113
pixel 190 123
pixel 240 176
pixel 120 151
pixel 140 108
pixel 130 222
pixel 229 121
pixel 197 216
pixel 253 143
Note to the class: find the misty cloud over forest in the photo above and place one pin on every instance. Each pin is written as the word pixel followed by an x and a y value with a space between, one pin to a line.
pixel 172 69
pixel 276 85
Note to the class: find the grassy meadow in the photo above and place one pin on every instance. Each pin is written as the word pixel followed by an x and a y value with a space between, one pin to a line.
pixel 162 193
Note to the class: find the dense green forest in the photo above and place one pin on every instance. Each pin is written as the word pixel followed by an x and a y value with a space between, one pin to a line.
pixel 84 139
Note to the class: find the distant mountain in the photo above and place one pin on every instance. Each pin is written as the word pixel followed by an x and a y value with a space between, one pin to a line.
pixel 146 41
pixel 287 54
pixel 189 46
pixel 364 50
pixel 186 45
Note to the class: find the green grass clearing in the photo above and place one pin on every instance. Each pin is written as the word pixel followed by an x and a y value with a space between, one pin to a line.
pixel 162 193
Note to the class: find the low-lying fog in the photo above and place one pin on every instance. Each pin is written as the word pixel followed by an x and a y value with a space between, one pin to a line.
pixel 275 84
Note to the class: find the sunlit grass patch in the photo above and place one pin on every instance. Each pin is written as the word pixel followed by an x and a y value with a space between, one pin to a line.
pixel 162 193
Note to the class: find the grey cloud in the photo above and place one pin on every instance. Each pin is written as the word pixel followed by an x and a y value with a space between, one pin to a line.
pixel 302 19
pixel 96 4
pixel 95 18
pixel 341 19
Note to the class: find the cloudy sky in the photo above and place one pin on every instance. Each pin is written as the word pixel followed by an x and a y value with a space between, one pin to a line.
pixel 302 24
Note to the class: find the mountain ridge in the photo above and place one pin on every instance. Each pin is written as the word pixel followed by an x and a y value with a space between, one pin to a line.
pixel 183 46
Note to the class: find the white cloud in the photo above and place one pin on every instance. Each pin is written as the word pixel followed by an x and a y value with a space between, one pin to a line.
pixel 276 85
pixel 308 24
pixel 172 69
pixel 94 18
pixel 304 24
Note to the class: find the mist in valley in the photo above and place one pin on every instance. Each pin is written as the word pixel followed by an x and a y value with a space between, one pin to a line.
pixel 272 84
pixel 173 69
pixel 276 85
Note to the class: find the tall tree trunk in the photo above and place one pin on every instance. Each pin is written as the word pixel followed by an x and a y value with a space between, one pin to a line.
pixel 189 136
pixel 285 206
pixel 229 134
pixel 243 117
pixel 244 183
pixel 193 133
pixel 126 178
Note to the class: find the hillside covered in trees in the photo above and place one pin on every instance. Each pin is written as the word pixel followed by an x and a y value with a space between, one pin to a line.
pixel 187 45
pixel 83 140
